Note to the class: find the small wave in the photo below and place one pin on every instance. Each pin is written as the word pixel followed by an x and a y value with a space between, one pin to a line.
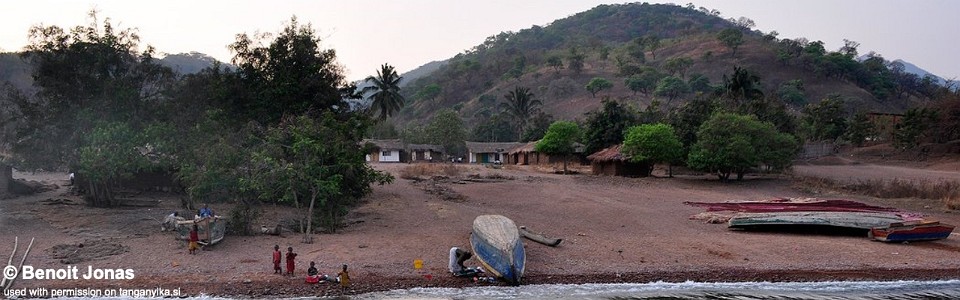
pixel 852 290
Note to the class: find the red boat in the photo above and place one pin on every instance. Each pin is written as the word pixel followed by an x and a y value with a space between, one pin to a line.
pixel 911 231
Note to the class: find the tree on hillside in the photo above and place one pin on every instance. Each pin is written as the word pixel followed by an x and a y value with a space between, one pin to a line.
pixel 598 84
pixel 446 129
pixel 605 126
pixel 555 62
pixel 496 128
pixel 671 87
pixel 560 140
pixel 792 92
pixel 520 106
pixel 729 143
pixel 538 127
pixel 428 92
pixel 731 38
pixel 826 120
pixel 653 143
pixel 860 129
pixel 914 127
pixel 385 92
pixel 575 60
pixel 678 65
pixel 699 83
pixel 652 43
pixel 741 87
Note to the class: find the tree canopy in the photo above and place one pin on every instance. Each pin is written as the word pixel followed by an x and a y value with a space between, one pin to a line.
pixel 731 143
pixel 560 140
pixel 652 143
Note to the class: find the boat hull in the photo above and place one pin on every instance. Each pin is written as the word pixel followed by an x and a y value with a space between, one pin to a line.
pixel 497 245
pixel 900 232
pixel 211 229
pixel 858 220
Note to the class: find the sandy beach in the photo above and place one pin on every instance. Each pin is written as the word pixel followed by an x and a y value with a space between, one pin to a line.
pixel 614 230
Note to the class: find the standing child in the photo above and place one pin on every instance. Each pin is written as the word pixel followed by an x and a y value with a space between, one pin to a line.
pixel 290 260
pixel 343 277
pixel 194 238
pixel 276 260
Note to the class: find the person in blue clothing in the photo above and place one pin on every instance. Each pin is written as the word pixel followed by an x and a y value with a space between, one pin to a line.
pixel 206 211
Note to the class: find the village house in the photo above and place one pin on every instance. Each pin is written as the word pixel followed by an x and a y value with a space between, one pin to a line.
pixel 611 161
pixel 526 154
pixel 484 153
pixel 425 152
pixel 385 151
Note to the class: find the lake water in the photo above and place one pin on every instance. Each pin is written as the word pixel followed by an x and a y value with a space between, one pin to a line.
pixel 868 290
pixel 865 290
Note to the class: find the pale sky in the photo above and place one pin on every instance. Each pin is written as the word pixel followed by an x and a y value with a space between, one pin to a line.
pixel 410 33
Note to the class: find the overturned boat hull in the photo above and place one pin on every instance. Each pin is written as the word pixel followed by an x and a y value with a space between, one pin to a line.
pixel 910 232
pixel 211 230
pixel 857 220
pixel 497 245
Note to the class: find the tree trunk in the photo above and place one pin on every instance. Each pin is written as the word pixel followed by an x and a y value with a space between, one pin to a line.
pixel 565 158
pixel 308 234
pixel 670 170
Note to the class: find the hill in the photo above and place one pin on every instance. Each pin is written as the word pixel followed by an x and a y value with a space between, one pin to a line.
pixel 189 63
pixel 618 41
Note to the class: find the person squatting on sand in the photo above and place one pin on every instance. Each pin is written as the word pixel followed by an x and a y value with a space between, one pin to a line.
pixel 276 260
pixel 457 257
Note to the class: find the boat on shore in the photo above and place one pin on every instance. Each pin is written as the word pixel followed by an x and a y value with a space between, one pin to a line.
pixel 497 245
pixel 210 229
pixel 856 220
pixel 911 231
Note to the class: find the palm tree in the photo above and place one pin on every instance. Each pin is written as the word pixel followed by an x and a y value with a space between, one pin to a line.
pixel 742 86
pixel 521 106
pixel 386 92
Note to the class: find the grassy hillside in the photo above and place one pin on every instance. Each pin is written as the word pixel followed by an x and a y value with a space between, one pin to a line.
pixel 474 82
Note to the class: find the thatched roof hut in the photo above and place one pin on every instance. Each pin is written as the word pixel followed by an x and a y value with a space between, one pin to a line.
pixel 611 161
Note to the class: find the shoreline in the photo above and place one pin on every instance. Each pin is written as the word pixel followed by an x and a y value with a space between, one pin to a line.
pixel 284 286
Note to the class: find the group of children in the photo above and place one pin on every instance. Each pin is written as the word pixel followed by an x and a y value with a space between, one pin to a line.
pixel 313 276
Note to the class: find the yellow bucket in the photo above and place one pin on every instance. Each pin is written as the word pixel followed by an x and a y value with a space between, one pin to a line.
pixel 418 264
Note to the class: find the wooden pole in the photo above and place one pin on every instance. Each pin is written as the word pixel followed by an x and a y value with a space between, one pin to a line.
pixel 20 268
pixel 3 283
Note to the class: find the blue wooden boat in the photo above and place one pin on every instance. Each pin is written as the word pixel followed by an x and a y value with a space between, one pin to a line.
pixel 497 245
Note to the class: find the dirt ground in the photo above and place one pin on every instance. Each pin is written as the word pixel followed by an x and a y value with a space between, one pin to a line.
pixel 614 230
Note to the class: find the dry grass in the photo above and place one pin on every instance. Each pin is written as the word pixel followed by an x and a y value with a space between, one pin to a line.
pixel 948 191
pixel 420 171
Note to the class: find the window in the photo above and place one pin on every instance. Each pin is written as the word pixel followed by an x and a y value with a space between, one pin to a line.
pixel 385 153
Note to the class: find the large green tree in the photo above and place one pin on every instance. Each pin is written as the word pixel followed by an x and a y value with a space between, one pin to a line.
pixel 446 129
pixel 560 140
pixel 605 126
pixel 826 120
pixel 291 75
pixel 729 143
pixel 520 106
pixel 384 93
pixel 652 143
pixel 92 83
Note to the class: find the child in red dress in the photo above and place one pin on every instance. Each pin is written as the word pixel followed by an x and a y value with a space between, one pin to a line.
pixel 276 260
pixel 290 260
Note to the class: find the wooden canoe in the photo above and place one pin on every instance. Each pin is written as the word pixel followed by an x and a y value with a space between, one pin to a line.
pixel 911 231
pixel 858 220
pixel 497 245
pixel 210 229
pixel 539 238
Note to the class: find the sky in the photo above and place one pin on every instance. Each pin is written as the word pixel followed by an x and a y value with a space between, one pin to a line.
pixel 410 33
